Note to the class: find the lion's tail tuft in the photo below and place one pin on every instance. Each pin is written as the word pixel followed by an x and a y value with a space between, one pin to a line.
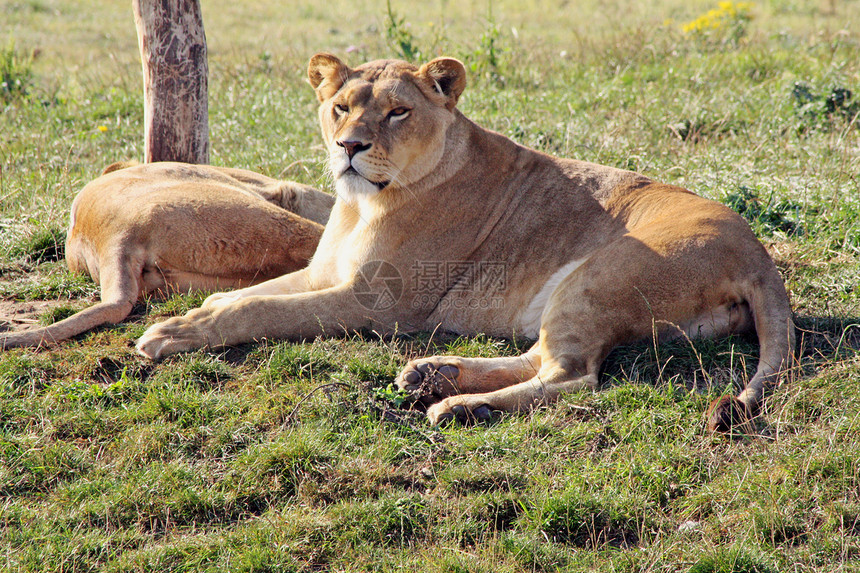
pixel 771 312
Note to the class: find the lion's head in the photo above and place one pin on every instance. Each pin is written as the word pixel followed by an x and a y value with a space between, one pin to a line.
pixel 384 122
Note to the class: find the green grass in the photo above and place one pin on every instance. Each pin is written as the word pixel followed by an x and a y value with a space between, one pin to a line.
pixel 295 457
pixel 15 74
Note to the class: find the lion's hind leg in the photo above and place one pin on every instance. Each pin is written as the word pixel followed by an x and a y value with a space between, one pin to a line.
pixel 596 308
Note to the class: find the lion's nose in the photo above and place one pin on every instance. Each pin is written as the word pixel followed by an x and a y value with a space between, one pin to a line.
pixel 353 147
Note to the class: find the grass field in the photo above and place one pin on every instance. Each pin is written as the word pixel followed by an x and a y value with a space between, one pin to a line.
pixel 296 457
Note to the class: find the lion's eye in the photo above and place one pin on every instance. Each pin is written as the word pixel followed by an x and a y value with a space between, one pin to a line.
pixel 341 109
pixel 398 113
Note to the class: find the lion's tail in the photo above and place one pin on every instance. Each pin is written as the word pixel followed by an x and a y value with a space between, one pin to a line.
pixel 87 319
pixel 771 312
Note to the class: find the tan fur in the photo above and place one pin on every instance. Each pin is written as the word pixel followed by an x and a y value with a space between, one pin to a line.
pixel 593 257
pixel 142 230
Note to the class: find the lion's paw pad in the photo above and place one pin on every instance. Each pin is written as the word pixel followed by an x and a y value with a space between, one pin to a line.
pixel 440 415
pixel 428 379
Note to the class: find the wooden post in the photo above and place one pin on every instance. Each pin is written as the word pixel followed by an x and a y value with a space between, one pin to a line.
pixel 175 80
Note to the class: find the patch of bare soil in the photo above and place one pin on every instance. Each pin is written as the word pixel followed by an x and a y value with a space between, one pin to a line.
pixel 16 316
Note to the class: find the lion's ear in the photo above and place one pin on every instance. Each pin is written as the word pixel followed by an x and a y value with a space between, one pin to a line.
pixel 448 78
pixel 327 74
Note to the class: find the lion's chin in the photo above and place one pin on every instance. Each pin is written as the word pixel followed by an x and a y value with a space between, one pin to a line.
pixel 352 186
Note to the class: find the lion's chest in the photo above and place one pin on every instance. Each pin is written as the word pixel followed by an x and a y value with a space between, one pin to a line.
pixel 342 258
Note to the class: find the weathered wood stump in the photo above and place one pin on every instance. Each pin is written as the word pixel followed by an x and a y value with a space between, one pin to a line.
pixel 175 80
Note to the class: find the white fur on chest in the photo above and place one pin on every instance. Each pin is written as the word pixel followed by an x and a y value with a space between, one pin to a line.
pixel 530 319
pixel 357 246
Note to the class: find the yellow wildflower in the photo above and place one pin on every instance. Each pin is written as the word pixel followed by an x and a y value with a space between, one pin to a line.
pixel 726 15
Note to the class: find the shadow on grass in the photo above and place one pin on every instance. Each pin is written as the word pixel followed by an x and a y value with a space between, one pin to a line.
pixel 704 363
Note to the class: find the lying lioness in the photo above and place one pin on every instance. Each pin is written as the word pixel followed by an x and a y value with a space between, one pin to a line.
pixel 167 227
pixel 458 227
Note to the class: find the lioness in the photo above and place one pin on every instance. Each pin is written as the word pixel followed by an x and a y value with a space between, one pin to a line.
pixel 166 227
pixel 593 257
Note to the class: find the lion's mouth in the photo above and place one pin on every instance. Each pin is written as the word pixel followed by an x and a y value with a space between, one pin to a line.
pixel 380 185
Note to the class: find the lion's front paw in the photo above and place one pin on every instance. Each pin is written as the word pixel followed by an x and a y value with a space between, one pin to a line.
pixel 220 299
pixel 429 379
pixel 178 334
pixel 459 409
